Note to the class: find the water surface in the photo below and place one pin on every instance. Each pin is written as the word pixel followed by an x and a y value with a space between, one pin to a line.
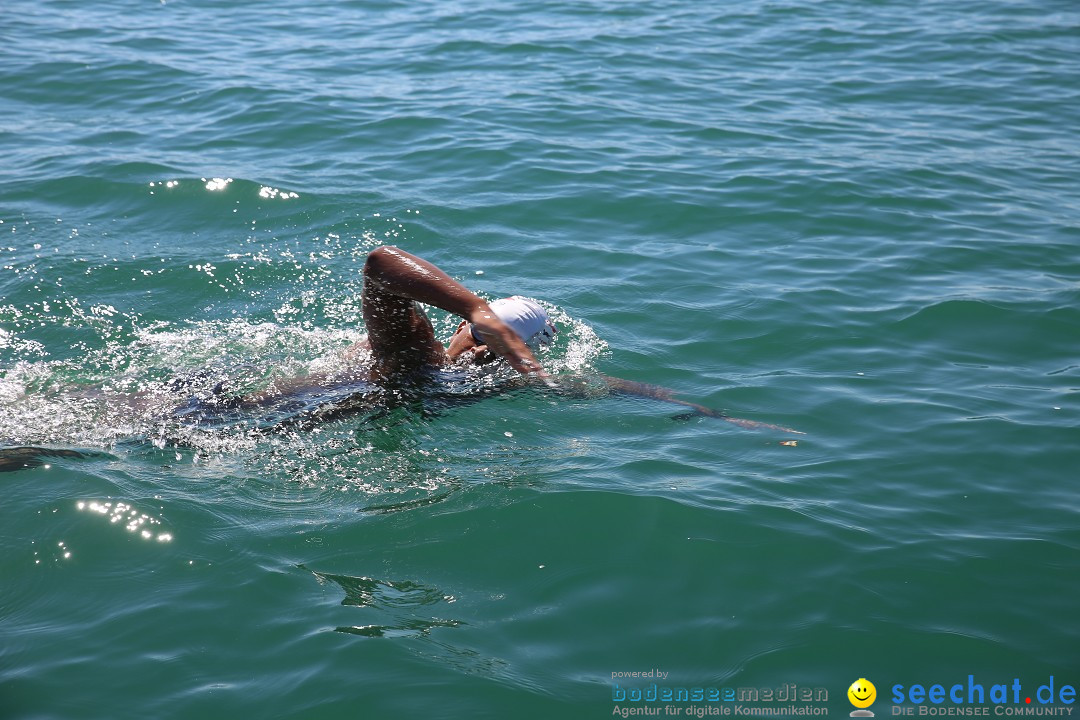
pixel 860 220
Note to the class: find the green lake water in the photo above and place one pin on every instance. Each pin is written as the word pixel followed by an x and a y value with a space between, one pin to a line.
pixel 857 219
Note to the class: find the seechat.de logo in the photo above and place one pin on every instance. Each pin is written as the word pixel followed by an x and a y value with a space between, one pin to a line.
pixel 862 695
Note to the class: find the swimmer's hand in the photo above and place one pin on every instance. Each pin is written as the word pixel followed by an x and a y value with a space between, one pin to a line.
pixel 505 343
pixel 661 393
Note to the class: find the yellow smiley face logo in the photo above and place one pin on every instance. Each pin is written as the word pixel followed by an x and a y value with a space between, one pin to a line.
pixel 862 693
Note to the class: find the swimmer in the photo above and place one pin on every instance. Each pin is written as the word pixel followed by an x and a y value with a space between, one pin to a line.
pixel 401 342
pixel 400 347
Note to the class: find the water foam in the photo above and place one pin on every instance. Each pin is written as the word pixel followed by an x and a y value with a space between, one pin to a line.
pixel 142 391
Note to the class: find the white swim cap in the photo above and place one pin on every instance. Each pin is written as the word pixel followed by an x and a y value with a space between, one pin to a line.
pixel 525 317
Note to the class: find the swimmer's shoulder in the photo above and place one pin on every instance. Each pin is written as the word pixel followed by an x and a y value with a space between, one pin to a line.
pixel 358 353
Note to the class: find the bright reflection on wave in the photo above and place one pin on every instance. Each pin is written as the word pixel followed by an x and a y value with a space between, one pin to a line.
pixel 217 184
pixel 270 193
pixel 132 520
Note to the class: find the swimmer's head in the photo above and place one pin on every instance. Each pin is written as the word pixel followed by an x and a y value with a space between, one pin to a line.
pixel 524 316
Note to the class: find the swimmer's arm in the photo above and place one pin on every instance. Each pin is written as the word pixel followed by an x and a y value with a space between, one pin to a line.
pixel 394 281
pixel 17 458
pixel 656 392
pixel 283 387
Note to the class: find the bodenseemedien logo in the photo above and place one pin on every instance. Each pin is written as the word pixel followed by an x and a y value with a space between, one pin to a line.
pixel 862 694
